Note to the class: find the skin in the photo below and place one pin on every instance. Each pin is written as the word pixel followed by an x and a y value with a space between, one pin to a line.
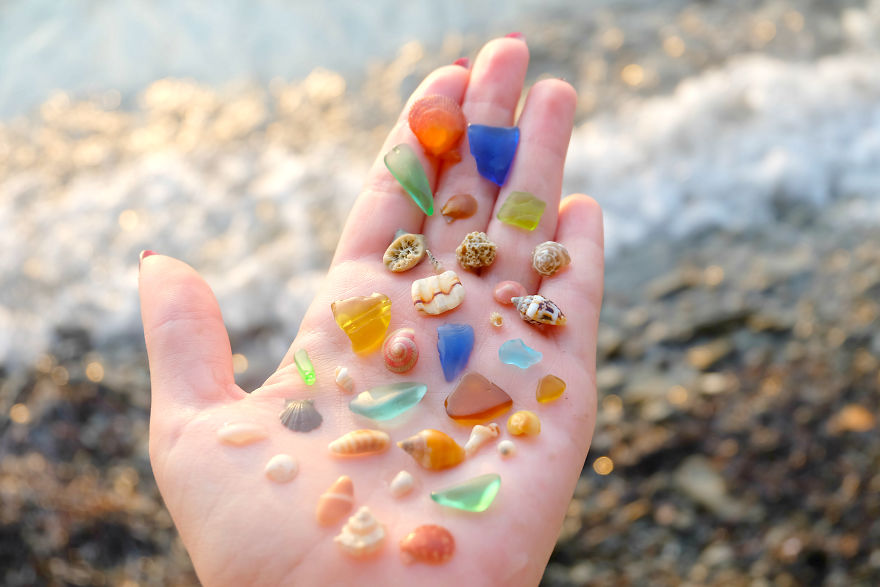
pixel 242 529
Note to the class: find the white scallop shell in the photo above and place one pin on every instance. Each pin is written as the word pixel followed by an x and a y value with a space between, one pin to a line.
pixel 537 309
pixel 362 535
pixel 438 293
pixel 480 435
pixel 343 379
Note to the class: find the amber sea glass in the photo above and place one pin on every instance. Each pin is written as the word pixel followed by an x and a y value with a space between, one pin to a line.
pixel 364 319
pixel 476 400
pixel 549 388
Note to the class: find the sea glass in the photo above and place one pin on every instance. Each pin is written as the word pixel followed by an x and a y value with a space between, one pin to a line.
pixel 454 343
pixel 476 400
pixel 474 495
pixel 387 401
pixel 515 352
pixel 304 366
pixel 364 319
pixel 493 148
pixel 522 209
pixel 404 165
pixel 438 123
pixel 549 388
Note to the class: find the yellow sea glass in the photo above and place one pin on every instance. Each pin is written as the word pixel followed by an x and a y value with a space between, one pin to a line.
pixel 549 388
pixel 364 319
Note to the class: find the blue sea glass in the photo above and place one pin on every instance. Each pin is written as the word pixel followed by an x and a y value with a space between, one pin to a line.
pixel 387 401
pixel 493 147
pixel 515 352
pixel 454 343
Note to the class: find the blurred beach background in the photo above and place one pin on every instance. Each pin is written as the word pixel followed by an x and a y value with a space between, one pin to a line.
pixel 735 149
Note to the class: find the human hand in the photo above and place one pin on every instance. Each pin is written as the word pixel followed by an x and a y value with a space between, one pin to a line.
pixel 242 529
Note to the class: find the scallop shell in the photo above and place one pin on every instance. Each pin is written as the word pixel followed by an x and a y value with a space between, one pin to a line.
pixel 301 415
pixel 404 252
pixel 480 435
pixel 402 484
pixel 362 535
pixel 343 379
pixel 335 503
pixel 438 123
pixel 506 290
pixel 506 448
pixel 459 206
pixel 360 442
pixel 281 468
pixel 430 544
pixel 438 293
pixel 476 251
pixel 537 309
pixel 524 423
pixel 400 350
pixel 241 433
pixel 549 257
pixel 433 449
pixel 496 319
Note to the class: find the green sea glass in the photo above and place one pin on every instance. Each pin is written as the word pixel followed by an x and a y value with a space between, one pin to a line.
pixel 304 366
pixel 522 209
pixel 404 165
pixel 474 495
pixel 387 401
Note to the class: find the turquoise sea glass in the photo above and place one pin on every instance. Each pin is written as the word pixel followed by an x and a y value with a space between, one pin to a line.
pixel 515 352
pixel 404 165
pixel 304 366
pixel 387 401
pixel 493 148
pixel 474 495
pixel 454 343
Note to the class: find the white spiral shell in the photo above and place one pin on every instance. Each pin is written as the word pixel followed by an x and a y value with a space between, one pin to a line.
pixel 549 257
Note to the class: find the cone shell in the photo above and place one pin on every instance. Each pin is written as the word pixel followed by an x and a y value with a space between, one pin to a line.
pixel 549 257
pixel 459 206
pixel 430 544
pixel 241 433
pixel 400 350
pixel 438 123
pixel 433 449
pixel 538 310
pixel 480 435
pixel 402 484
pixel 360 442
pixel 438 293
pixel 362 535
pixel 301 415
pixel 524 423
pixel 335 503
pixel 343 379
pixel 404 252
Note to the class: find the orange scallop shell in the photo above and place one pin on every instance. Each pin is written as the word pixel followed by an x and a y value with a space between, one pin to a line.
pixel 438 123
pixel 400 350
pixel 430 544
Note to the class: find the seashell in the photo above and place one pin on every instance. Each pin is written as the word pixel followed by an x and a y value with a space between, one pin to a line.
pixel 437 265
pixel 362 535
pixel 438 293
pixel 549 257
pixel 496 320
pixel 506 448
pixel 281 468
pixel 360 442
pixel 480 435
pixel 459 206
pixel 301 415
pixel 343 379
pixel 430 544
pixel 433 449
pixel 476 251
pixel 438 123
pixel 404 252
pixel 402 484
pixel 335 503
pixel 400 350
pixel 506 290
pixel 538 310
pixel 241 433
pixel 524 423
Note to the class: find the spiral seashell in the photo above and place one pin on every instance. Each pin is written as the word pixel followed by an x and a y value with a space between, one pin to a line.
pixel 476 251
pixel 537 309
pixel 241 433
pixel 549 257
pixel 496 319
pixel 433 449
pixel 343 379
pixel 400 350
pixel 335 503
pixel 438 293
pixel 360 442
pixel 524 423
pixel 402 484
pixel 301 415
pixel 480 435
pixel 281 468
pixel 430 544
pixel 404 252
pixel 362 535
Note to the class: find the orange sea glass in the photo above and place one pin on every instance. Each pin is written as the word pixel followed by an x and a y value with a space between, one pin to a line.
pixel 438 123
pixel 364 319
pixel 476 400
pixel 549 388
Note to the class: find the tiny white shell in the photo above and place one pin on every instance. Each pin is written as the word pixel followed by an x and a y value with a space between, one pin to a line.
pixel 401 484
pixel 506 448
pixel 241 433
pixel 480 435
pixel 362 535
pixel 281 468
pixel 343 379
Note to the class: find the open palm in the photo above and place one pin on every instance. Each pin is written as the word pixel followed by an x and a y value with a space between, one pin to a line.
pixel 242 529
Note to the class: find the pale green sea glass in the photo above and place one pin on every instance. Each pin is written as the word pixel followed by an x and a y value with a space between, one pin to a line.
pixel 474 495
pixel 387 401
pixel 404 165
pixel 522 209
pixel 304 366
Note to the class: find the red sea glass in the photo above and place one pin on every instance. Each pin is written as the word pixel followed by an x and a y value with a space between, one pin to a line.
pixel 476 400
pixel 438 123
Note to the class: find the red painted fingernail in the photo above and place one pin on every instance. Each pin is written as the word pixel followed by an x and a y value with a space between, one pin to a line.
pixel 516 35
pixel 463 61
pixel 144 254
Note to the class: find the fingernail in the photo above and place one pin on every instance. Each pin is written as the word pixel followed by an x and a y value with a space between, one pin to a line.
pixel 516 35
pixel 463 61
pixel 144 254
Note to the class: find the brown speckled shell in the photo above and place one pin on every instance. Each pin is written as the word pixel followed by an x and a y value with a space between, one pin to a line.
pixel 429 544
pixel 537 309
